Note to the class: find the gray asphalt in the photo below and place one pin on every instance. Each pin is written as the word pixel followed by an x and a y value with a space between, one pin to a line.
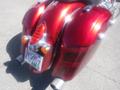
pixel 101 73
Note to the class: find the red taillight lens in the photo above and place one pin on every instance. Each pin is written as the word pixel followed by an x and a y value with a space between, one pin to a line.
pixel 38 34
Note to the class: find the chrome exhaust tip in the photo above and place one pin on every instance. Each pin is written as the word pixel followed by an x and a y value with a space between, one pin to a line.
pixel 57 84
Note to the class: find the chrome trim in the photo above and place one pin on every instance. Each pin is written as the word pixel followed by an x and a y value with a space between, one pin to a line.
pixel 57 84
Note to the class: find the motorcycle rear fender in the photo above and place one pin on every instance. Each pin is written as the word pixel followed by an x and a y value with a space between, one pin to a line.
pixel 79 36
pixel 52 20
pixel 32 16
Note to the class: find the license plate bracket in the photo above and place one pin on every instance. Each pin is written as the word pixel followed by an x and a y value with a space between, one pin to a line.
pixel 33 58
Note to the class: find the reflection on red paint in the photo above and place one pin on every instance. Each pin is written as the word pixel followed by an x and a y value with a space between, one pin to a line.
pixel 96 26
pixel 41 10
pixel 64 12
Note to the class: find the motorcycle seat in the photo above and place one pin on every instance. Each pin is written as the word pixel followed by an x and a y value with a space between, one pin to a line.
pixel 89 2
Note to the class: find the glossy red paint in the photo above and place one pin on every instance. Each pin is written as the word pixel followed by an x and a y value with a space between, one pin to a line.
pixel 31 17
pixel 85 26
pixel 79 35
pixel 53 17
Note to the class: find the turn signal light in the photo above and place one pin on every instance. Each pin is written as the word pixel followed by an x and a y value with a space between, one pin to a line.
pixel 44 50
pixel 24 40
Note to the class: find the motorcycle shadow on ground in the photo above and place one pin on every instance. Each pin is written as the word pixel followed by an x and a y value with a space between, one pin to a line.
pixel 22 73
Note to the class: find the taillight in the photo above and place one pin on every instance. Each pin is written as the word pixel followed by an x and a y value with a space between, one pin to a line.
pixel 38 34
pixel 44 50
pixel 24 39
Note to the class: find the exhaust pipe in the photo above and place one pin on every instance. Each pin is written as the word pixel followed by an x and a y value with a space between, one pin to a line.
pixel 57 84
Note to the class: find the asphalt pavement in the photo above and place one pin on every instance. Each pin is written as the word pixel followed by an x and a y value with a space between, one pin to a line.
pixel 101 73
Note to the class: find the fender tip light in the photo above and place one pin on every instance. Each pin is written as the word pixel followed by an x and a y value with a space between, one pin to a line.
pixel 24 39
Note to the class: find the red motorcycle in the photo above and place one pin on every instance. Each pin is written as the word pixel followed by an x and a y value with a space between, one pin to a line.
pixel 61 35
